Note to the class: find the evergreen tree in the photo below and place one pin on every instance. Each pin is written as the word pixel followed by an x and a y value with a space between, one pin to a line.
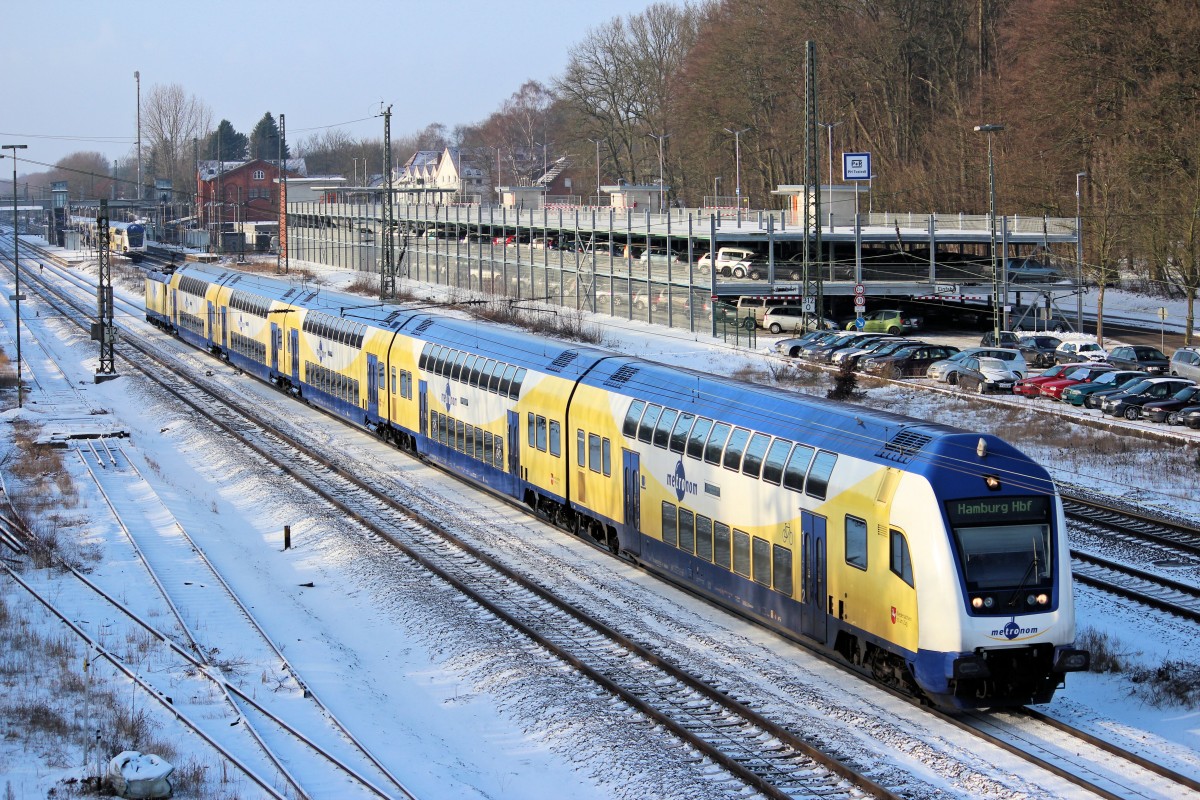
pixel 264 140
pixel 232 144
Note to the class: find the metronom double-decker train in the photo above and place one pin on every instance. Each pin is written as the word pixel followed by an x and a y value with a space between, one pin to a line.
pixel 932 559
pixel 124 238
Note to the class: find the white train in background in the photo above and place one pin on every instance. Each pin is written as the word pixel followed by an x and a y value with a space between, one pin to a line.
pixel 124 238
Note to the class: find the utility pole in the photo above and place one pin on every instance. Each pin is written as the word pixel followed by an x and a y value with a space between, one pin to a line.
pixel 103 331
pixel 281 257
pixel 387 273
pixel 137 76
pixel 814 291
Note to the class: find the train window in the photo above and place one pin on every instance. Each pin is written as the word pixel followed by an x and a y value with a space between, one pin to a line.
pixel 900 557
pixel 506 380
pixel 488 447
pixel 530 426
pixel 593 452
pixel 458 365
pixel 704 537
pixel 797 466
pixel 476 368
pixel 555 439
pixel 669 521
pixel 465 375
pixel 541 433
pixel 486 374
pixel 460 436
pixel 721 545
pixel 756 451
pixel 716 443
pixel 698 436
pixel 423 361
pixel 514 388
pixel 393 380
pixel 782 558
pixel 469 446
pixel 499 441
pixel 580 448
pixel 649 420
pixel 662 432
pixel 496 369
pixel 687 531
pixel 818 476
pixel 606 456
pixel 741 553
pixel 443 425
pixel 856 542
pixel 733 450
pixel 762 561
pixel 776 458
pixel 680 433
pixel 439 364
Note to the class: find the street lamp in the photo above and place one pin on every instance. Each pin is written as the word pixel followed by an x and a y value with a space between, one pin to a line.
pixel 989 129
pixel 597 143
pixel 737 156
pixel 829 126
pixel 17 264
pixel 1078 254
pixel 659 137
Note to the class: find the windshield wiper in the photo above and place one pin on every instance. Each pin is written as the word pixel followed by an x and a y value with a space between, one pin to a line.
pixel 1030 571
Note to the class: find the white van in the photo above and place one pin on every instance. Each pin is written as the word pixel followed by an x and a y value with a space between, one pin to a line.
pixel 731 261
pixel 790 319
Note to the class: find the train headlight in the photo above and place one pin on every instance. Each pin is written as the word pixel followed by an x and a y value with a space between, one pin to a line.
pixel 1030 600
pixel 988 602
pixel 1043 599
pixel 976 602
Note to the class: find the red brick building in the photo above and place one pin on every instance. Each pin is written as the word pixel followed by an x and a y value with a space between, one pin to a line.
pixel 241 191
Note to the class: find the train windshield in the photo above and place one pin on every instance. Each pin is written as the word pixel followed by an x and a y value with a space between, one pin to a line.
pixel 1003 543
pixel 134 232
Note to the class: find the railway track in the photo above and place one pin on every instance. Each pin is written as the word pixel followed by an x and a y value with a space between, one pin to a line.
pixel 588 648
pixel 714 727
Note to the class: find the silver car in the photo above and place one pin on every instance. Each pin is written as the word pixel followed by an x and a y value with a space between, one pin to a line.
pixel 947 371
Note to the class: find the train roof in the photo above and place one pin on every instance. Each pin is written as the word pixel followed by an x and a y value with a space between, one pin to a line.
pixel 422 320
pixel 937 450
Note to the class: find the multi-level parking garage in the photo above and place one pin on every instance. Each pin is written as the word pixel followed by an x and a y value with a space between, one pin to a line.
pixel 592 257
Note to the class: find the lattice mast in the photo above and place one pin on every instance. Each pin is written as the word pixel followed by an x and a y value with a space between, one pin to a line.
pixel 813 286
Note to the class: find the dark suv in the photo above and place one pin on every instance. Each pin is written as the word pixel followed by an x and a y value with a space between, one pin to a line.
pixel 1039 350
pixel 1006 339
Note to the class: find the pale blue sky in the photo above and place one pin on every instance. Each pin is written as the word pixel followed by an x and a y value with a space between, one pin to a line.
pixel 67 66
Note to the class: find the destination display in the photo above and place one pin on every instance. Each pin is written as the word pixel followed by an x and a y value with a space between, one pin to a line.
pixel 991 510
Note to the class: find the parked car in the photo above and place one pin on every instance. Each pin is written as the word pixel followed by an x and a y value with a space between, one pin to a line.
pixel 983 374
pixel 1168 410
pixel 818 351
pixel 825 355
pixel 1190 416
pixel 792 347
pixel 1038 318
pixel 1030 270
pixel 1084 374
pixel 730 261
pixel 890 320
pixel 1078 394
pixel 1039 350
pixel 659 255
pixel 1129 403
pixel 1030 387
pixel 880 347
pixel 1005 339
pixel 1185 362
pixel 791 319
pixel 1072 352
pixel 1096 399
pixel 1139 356
pixel 947 371
pixel 908 361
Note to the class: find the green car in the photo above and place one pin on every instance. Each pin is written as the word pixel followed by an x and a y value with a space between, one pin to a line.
pixel 887 321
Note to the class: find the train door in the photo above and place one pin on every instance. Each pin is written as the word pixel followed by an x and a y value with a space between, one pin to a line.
pixel 212 323
pixel 224 328
pixel 631 466
pixel 276 346
pixel 294 342
pixel 174 318
pixel 514 449
pixel 422 387
pixel 372 386
pixel 816 618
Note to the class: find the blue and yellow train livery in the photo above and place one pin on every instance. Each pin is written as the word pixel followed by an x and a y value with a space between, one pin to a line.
pixel 930 558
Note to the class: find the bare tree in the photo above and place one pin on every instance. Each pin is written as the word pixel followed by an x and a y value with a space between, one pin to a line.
pixel 171 120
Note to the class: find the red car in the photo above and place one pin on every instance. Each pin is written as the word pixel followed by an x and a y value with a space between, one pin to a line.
pixel 1031 387
pixel 1081 374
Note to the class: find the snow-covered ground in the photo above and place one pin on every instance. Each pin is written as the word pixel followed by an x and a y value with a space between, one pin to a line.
pixel 445 692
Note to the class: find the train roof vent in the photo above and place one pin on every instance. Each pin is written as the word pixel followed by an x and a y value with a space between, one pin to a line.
pixel 424 326
pixel 288 293
pixel 905 445
pixel 622 376
pixel 310 298
pixel 390 318
pixel 564 358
